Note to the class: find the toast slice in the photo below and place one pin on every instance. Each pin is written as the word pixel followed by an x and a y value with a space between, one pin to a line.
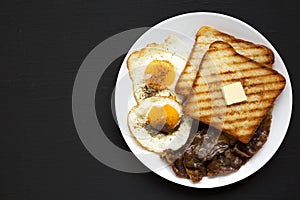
pixel 222 65
pixel 207 35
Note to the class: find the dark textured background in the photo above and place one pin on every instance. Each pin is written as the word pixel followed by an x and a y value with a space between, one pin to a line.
pixel 42 44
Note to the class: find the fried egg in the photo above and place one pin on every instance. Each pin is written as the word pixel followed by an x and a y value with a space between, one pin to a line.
pixel 155 69
pixel 158 123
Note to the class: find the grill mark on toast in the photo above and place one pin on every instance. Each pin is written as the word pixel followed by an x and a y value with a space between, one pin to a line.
pixel 245 85
pixel 252 71
pixel 196 84
pixel 278 84
pixel 249 94
pixel 244 119
pixel 237 45
pixel 258 57
pixel 224 105
pixel 236 124
pixel 235 114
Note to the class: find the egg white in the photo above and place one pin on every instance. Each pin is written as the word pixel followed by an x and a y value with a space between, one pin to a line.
pixel 172 50
pixel 137 120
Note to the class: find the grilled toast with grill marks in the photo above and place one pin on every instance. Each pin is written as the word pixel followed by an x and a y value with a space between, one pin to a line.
pixel 207 35
pixel 222 65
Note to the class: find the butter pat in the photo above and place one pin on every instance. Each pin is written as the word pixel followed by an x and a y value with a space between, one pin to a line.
pixel 234 93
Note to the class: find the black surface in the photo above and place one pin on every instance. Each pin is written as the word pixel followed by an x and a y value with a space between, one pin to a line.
pixel 42 46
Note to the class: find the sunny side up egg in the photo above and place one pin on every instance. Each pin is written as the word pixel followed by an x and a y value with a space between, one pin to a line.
pixel 158 123
pixel 155 69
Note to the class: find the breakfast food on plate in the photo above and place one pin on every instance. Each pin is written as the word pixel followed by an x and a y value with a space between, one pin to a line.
pixel 222 66
pixel 227 155
pixel 158 123
pixel 155 69
pixel 207 35
pixel 217 100
pixel 226 86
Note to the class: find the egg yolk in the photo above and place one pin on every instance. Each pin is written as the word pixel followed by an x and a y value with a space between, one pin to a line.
pixel 164 119
pixel 159 74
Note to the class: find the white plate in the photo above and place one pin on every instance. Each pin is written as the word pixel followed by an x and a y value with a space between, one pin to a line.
pixel 185 27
